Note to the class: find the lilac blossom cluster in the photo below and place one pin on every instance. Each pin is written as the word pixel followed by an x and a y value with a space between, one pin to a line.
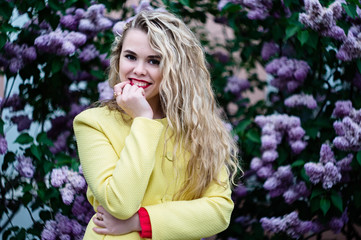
pixel 25 166
pixel 143 5
pixel 23 122
pixel 62 228
pixel 289 224
pixel 351 46
pixel 349 128
pixel 328 171
pixel 281 182
pixel 89 22
pixel 289 74
pixel 323 20
pixel 236 86
pixel 299 100
pixel 62 43
pixel 14 57
pixel 69 182
pixel 257 9
pixel 336 224
pixel 82 209
pixel 3 145
pixel 105 91
pixel 269 49
pixel 57 132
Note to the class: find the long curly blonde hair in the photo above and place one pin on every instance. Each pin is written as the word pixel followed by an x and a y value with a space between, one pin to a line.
pixel 187 100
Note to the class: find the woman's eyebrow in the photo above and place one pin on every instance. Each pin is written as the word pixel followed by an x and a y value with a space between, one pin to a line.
pixel 150 56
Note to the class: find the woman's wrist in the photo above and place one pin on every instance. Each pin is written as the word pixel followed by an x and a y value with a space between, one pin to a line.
pixel 135 223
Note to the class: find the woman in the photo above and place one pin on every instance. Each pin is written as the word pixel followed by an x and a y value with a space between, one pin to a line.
pixel 157 157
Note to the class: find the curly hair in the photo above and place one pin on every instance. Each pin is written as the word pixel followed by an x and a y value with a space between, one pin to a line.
pixel 187 99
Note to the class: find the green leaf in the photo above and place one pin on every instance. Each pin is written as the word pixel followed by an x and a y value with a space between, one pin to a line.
pixel 325 205
pixel 1 127
pixel 291 30
pixel 74 66
pixel 56 66
pixel 36 151
pixel 313 39
pixel 358 63
pixel 350 10
pixel 3 39
pixel 97 73
pixel 316 192
pixel 241 127
pixel 24 138
pixel 298 163
pixel 43 138
pixel 337 200
pixel 253 136
pixel 185 2
pixel 315 204
pixel 358 157
pixel 303 36
pixel 357 198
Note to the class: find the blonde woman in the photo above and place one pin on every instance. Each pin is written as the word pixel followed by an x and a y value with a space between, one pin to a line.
pixel 157 158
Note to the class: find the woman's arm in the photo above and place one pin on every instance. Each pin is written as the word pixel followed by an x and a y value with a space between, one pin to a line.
pixel 118 183
pixel 193 219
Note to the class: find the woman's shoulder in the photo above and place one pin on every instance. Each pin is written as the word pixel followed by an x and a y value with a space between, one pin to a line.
pixel 97 114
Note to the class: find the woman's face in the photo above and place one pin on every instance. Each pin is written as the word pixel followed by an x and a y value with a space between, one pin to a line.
pixel 139 64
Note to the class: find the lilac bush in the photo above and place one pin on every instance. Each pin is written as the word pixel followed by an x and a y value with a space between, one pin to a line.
pixel 298 128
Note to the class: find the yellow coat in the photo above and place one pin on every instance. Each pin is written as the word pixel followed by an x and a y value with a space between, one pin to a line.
pixel 127 166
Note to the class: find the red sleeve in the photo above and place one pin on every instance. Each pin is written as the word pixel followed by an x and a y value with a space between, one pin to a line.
pixel 145 223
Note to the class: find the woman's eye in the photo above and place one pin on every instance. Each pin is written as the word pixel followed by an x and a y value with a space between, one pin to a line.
pixel 130 57
pixel 154 61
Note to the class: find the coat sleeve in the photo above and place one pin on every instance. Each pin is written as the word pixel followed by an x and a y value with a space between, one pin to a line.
pixel 117 183
pixel 194 219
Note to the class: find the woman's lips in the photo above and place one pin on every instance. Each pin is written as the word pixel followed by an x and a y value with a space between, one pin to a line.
pixel 139 83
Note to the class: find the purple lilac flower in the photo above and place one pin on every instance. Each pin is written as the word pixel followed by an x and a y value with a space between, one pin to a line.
pixel 299 100
pixel 62 228
pixel 295 192
pixel 265 171
pixel 323 20
pixel 16 56
pixel 74 183
pixel 351 46
pixel 60 144
pixel 88 53
pixel 236 85
pixel 58 177
pixel 328 171
pixel 269 49
pixel 82 209
pixel 118 28
pixel 59 42
pixel 342 108
pixel 15 103
pixel 279 182
pixel 25 166
pixel 3 145
pixel 349 128
pixel 104 60
pixel 93 20
pixel 23 122
pixel 67 194
pixel 336 224
pixel 289 74
pixel 289 224
pixel 105 91
pixel 49 232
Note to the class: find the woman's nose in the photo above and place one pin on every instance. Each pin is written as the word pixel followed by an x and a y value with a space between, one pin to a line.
pixel 139 68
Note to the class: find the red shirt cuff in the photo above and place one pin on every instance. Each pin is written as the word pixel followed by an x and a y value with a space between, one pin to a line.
pixel 145 223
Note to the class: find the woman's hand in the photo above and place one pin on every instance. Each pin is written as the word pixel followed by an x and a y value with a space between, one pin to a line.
pixel 109 225
pixel 132 100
